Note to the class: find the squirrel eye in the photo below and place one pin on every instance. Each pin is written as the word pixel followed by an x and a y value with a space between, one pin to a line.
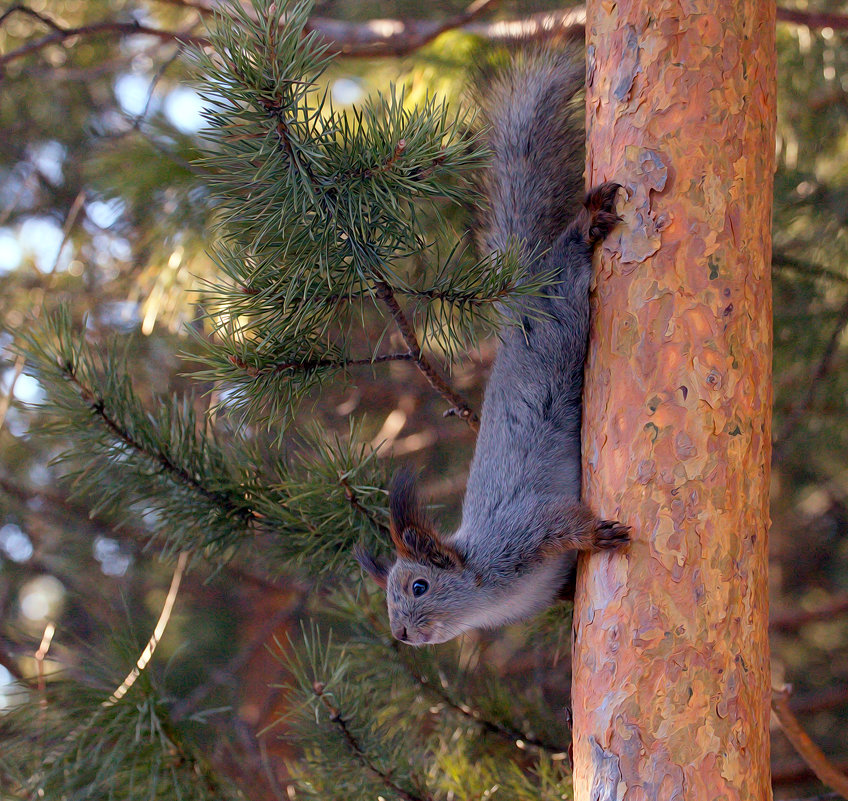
pixel 419 587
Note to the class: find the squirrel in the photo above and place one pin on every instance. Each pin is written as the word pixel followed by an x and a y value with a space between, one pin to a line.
pixel 523 523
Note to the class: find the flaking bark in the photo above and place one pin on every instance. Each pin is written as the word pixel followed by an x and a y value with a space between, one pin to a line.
pixel 671 660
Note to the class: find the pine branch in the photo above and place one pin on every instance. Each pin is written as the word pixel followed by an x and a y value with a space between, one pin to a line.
pixel 507 733
pixel 356 748
pixel 354 501
pixel 459 406
pixel 177 473
pixel 316 364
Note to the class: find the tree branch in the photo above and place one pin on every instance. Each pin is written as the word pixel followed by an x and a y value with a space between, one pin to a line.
pixel 459 406
pixel 315 364
pixel 811 754
pixel 60 34
pixel 354 502
pixel 807 268
pixel 177 473
pixel 356 748
pixel 792 620
pixel 505 732
pixel 812 19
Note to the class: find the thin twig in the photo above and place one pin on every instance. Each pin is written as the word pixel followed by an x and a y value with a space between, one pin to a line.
pixel 827 773
pixel 357 750
pixel 141 663
pixel 459 405
pixel 354 502
pixel 316 364
pixel 40 656
pixel 158 631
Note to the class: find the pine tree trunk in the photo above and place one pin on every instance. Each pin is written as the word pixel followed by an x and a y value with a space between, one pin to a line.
pixel 671 662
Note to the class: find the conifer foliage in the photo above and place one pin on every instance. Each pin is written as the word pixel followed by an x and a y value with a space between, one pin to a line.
pixel 320 235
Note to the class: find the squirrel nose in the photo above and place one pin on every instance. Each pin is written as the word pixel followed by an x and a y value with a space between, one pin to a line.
pixel 400 633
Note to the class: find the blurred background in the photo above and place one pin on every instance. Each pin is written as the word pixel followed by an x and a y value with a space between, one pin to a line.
pixel 103 208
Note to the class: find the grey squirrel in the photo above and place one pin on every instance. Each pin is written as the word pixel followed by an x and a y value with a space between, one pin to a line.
pixel 522 520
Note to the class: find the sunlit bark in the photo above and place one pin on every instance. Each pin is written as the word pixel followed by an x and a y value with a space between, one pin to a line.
pixel 671 663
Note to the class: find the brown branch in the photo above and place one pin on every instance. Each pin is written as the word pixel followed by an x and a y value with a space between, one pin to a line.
pixel 797 772
pixel 792 620
pixel 356 748
pixel 354 502
pixel 315 364
pixel 62 506
pixel 218 676
pixel 61 34
pixel 825 797
pixel 827 773
pixel 459 406
pixel 374 38
pixel 807 268
pixel 399 37
pixel 812 19
pixel 811 703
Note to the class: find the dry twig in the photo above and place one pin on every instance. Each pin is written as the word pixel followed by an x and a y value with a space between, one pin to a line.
pixel 827 773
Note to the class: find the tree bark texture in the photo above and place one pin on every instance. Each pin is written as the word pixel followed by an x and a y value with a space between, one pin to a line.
pixel 671 661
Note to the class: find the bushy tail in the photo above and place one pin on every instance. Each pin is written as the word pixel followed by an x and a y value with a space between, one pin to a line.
pixel 534 185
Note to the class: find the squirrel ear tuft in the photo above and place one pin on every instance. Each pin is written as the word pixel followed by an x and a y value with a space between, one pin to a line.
pixel 414 536
pixel 374 566
pixel 405 506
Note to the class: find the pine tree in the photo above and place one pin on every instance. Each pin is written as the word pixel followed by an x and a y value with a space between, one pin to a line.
pixel 323 260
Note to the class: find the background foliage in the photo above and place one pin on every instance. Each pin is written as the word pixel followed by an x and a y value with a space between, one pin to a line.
pixel 190 310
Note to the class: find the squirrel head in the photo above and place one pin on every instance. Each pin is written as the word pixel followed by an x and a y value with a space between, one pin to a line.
pixel 429 591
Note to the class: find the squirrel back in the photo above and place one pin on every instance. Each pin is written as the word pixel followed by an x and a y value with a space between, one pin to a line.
pixel 522 519
pixel 534 113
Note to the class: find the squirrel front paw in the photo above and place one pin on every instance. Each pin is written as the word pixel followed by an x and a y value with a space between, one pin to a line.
pixel 599 216
pixel 610 534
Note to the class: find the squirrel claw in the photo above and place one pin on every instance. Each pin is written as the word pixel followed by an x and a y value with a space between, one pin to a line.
pixel 600 210
pixel 611 534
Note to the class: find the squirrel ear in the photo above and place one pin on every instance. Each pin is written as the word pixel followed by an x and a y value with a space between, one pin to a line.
pixel 405 507
pixel 413 534
pixel 375 567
